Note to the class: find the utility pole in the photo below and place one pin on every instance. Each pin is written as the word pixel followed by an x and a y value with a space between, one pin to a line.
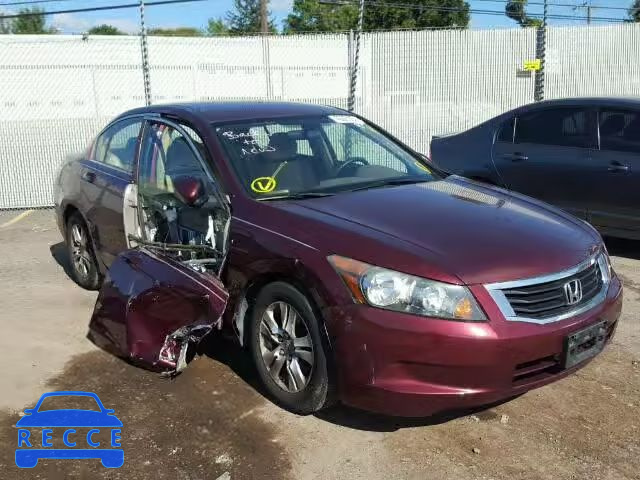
pixel 541 47
pixel 586 5
pixel 145 56
pixel 356 60
pixel 264 21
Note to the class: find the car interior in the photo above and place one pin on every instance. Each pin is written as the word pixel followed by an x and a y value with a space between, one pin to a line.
pixel 303 159
pixel 620 131
pixel 182 212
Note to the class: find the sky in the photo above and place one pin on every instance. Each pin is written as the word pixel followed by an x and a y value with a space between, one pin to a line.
pixel 196 14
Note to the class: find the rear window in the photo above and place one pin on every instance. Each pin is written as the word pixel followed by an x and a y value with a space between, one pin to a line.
pixel 567 127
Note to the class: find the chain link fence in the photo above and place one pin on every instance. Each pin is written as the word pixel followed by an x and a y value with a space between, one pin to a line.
pixel 58 91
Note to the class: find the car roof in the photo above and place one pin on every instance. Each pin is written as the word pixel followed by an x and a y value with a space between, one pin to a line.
pixel 587 101
pixel 236 111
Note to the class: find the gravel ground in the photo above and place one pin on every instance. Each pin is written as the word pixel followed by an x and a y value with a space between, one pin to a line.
pixel 213 422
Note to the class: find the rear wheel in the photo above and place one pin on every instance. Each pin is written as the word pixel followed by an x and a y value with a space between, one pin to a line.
pixel 84 267
pixel 287 349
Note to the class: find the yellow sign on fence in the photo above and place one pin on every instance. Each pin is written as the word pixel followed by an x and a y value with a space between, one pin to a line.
pixel 532 65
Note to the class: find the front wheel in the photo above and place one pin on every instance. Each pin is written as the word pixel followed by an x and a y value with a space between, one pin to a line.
pixel 287 349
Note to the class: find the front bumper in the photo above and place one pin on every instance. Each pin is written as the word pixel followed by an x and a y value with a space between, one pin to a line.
pixel 404 365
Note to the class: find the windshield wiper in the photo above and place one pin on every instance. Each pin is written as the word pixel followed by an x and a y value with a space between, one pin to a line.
pixel 385 182
pixel 296 196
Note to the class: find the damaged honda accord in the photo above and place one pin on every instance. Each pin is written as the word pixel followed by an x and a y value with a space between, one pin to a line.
pixel 346 265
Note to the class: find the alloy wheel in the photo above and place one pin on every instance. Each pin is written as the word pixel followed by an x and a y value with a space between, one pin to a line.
pixel 286 347
pixel 80 255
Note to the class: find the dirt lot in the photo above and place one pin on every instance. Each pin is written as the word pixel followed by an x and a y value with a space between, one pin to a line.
pixel 211 421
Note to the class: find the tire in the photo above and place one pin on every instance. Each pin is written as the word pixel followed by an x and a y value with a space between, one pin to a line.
pixel 82 259
pixel 305 358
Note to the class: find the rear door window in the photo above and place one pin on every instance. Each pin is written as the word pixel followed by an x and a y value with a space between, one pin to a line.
pixel 619 130
pixel 566 127
pixel 118 145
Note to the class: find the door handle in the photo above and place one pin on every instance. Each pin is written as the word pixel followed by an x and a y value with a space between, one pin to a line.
pixel 89 177
pixel 515 157
pixel 618 167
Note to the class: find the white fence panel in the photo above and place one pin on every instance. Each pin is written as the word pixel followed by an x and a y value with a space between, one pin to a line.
pixel 595 61
pixel 418 84
pixel 59 90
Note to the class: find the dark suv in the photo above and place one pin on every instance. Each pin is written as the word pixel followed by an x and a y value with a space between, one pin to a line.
pixel 582 155
pixel 347 266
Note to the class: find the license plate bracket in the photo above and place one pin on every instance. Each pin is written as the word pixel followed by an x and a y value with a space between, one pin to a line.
pixel 584 344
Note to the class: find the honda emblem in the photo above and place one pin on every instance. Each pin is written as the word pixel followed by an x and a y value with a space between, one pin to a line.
pixel 573 292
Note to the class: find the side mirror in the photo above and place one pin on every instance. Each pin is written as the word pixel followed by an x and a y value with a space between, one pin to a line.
pixel 189 190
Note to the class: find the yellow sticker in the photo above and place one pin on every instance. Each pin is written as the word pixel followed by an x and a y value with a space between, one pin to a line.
pixel 422 167
pixel 532 65
pixel 263 185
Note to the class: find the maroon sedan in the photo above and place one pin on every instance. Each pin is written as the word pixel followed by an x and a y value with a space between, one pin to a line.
pixel 346 264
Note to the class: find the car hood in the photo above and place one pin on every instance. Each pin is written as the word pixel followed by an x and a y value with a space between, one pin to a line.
pixel 479 234
pixel 69 418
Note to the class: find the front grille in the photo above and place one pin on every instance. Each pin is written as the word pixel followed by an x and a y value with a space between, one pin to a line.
pixel 544 300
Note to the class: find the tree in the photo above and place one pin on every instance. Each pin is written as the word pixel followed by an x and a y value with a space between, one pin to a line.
pixel 30 20
pixel 245 17
pixel 634 11
pixel 516 10
pixel 176 32
pixel 104 29
pixel 312 16
pixel 217 26
pixel 5 25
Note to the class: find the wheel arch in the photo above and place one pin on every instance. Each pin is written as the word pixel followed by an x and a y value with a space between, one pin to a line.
pixel 245 300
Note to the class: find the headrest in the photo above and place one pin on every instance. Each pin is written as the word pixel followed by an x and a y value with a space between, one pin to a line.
pixel 284 146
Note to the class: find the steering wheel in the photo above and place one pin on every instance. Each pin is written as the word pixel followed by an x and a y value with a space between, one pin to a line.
pixel 351 161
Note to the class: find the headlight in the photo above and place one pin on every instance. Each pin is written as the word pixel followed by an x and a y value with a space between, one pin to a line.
pixel 604 262
pixel 400 292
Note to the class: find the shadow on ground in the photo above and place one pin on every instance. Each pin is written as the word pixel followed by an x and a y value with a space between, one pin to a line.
pixel 60 254
pixel 199 425
pixel 224 350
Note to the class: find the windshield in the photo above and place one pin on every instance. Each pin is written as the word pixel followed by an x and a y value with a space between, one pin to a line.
pixel 315 156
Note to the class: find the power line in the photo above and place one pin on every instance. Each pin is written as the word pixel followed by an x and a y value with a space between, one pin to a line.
pixel 568 5
pixel 470 10
pixel 96 9
pixel 32 2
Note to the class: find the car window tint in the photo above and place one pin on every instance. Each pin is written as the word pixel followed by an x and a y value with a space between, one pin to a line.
pixel 287 156
pixel 569 127
pixel 117 146
pixel 167 155
pixel 352 147
pixel 620 130
pixel 302 144
pixel 336 134
pixel 195 138
pixel 505 134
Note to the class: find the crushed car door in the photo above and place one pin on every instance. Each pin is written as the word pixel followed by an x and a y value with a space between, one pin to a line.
pixel 151 308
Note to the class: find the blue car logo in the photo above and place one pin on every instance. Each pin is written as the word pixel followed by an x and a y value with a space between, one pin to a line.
pixel 32 447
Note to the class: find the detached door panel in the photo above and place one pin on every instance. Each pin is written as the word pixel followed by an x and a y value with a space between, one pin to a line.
pixel 150 308
pixel 550 157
